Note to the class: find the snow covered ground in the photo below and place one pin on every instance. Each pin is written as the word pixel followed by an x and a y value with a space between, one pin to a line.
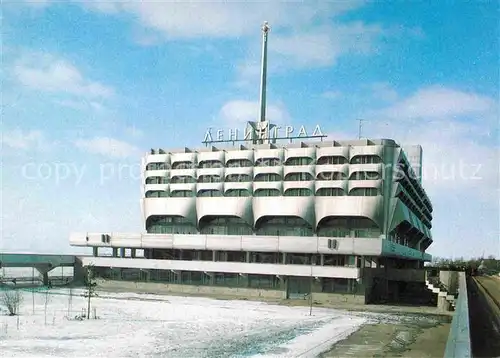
pixel 135 325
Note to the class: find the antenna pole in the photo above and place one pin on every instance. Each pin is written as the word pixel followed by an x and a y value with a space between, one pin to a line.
pixel 263 73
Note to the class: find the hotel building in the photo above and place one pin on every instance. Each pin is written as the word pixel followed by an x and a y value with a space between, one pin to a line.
pixel 256 217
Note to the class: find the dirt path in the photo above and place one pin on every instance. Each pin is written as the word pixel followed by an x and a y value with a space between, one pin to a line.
pixel 415 340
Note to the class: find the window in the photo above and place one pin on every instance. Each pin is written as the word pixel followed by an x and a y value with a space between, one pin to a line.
pixel 209 193
pixel 298 192
pixel 182 179
pixel 239 163
pixel 237 193
pixel 283 226
pixel 334 260
pixel 364 192
pixel 330 192
pixel 268 162
pixel 156 166
pixel 331 160
pixel 221 225
pixel 366 159
pixel 238 178
pixel 337 285
pixel 263 281
pixel 267 177
pixel 210 164
pixel 299 177
pixel 343 226
pixel 209 179
pixel 182 194
pixel 299 161
pixel 183 165
pixel 266 192
pixel 156 194
pixel 156 180
pixel 331 176
pixel 169 225
pixel 365 176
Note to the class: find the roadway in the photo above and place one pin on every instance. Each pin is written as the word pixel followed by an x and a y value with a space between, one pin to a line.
pixel 484 315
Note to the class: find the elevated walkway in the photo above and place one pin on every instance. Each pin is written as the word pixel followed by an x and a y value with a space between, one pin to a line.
pixel 43 263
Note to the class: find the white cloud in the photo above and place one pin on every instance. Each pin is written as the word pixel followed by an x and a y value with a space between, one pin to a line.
pixel 108 147
pixel 302 34
pixel 383 91
pixel 18 139
pixel 459 146
pixel 51 74
pixel 82 104
pixel 440 102
pixel 239 111
pixel 134 132
pixel 322 46
pixel 219 19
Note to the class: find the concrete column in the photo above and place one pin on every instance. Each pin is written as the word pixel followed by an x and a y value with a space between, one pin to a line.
pixel 247 256
pixel 285 290
pixel 95 251
pixel 243 280
pixel 45 278
pixel 322 259
pixel 214 255
pixel 284 258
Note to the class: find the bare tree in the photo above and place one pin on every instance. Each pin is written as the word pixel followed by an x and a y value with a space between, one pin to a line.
pixel 11 299
pixel 46 303
pixel 90 285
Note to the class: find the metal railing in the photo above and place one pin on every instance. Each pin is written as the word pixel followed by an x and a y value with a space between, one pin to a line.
pixel 459 344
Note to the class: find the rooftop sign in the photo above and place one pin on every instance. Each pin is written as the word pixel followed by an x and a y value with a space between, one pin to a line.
pixel 261 132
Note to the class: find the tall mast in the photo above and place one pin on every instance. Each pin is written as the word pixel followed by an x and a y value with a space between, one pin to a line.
pixel 263 73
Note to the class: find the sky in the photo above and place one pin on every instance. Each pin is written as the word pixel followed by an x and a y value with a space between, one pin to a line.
pixel 89 87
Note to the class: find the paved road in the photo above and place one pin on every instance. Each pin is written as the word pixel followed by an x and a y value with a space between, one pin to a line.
pixel 484 317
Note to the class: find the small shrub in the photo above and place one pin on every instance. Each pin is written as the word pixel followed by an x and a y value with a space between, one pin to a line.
pixel 12 300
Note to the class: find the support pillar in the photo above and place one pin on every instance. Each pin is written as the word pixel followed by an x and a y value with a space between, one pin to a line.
pixel 45 278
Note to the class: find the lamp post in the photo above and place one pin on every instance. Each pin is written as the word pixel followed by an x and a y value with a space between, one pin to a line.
pixel 311 289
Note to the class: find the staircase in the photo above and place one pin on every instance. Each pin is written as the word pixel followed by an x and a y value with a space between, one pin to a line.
pixel 436 286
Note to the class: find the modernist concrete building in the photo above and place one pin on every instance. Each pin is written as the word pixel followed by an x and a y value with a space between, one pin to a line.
pixel 270 216
pixel 260 217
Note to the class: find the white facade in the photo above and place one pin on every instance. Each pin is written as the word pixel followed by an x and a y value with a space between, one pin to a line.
pixel 368 186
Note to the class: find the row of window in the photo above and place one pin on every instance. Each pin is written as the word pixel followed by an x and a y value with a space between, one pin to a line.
pixel 275 226
pixel 263 177
pixel 262 193
pixel 231 280
pixel 242 163
pixel 254 257
pixel 412 186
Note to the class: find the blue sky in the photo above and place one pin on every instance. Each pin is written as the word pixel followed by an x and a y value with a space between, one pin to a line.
pixel 88 87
